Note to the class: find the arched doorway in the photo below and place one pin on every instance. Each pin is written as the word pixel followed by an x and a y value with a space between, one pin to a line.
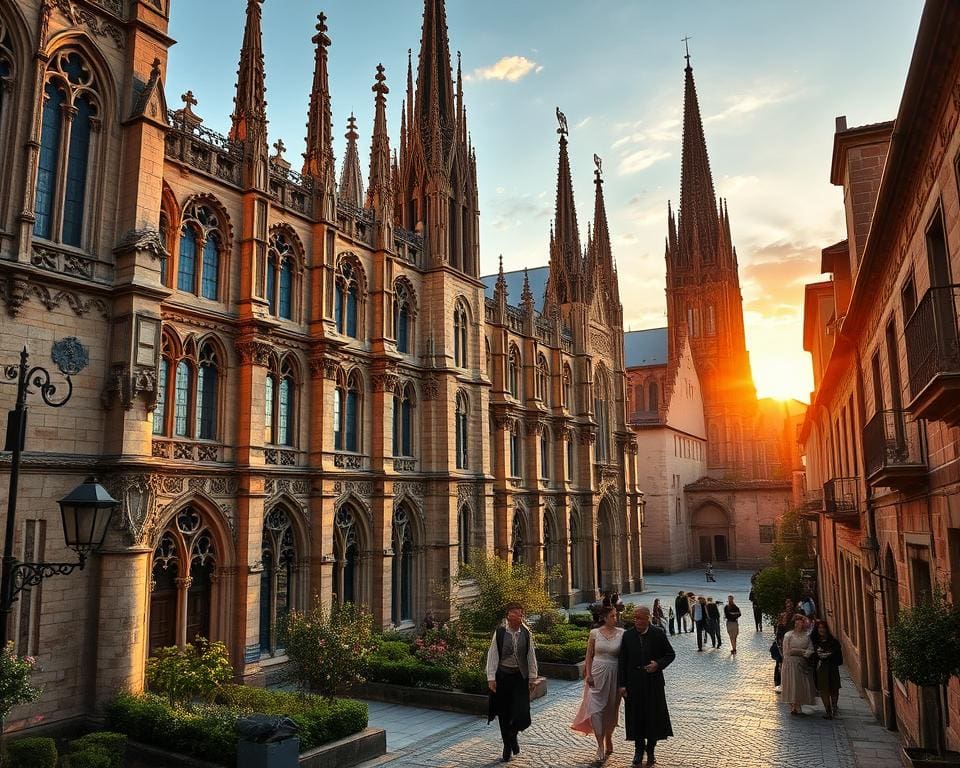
pixel 407 572
pixel 277 581
pixel 517 539
pixel 608 547
pixel 348 567
pixel 552 552
pixel 711 534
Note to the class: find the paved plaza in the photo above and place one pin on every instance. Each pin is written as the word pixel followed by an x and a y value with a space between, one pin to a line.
pixel 724 712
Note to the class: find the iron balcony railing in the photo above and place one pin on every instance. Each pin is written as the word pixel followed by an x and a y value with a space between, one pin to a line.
pixel 841 496
pixel 932 336
pixel 892 441
pixel 812 500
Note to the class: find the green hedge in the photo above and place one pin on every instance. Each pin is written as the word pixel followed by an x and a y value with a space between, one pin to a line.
pixel 581 619
pixel 408 671
pixel 102 749
pixel 571 652
pixel 91 758
pixel 32 752
pixel 207 731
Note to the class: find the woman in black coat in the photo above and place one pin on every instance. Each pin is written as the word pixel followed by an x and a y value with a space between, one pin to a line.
pixel 644 653
pixel 829 656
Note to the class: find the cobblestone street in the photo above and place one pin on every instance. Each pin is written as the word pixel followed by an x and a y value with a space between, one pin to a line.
pixel 724 711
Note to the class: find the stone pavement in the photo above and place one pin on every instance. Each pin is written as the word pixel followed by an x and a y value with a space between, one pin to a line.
pixel 723 707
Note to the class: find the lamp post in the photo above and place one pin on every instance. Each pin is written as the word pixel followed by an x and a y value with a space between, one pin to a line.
pixel 85 511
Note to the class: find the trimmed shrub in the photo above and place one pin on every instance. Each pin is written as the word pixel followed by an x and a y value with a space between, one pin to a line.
pixel 194 671
pixel 581 619
pixel 570 652
pixel 113 746
pixel 470 679
pixel 92 757
pixel 393 650
pixel 498 583
pixel 549 619
pixel 32 752
pixel 408 671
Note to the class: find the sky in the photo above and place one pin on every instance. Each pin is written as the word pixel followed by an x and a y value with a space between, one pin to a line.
pixel 771 77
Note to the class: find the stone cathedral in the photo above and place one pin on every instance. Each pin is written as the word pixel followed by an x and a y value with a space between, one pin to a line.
pixel 300 387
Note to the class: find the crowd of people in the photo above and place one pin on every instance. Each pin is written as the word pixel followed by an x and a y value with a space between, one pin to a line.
pixel 626 666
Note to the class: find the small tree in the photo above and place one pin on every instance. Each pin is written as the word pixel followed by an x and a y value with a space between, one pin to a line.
pixel 329 649
pixel 925 649
pixel 772 587
pixel 195 671
pixel 498 583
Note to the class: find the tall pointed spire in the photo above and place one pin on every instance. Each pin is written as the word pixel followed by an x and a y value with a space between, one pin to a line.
pixel 699 223
pixel 380 191
pixel 249 104
pixel 351 180
pixel 318 158
pixel 565 252
pixel 602 250
pixel 434 80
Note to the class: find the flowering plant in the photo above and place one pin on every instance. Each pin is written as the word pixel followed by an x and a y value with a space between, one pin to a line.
pixel 15 685
pixel 442 645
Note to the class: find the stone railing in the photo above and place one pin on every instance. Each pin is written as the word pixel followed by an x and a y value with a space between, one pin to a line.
pixel 187 450
pixel 290 189
pixel 204 150
pixel 282 457
pixel 401 464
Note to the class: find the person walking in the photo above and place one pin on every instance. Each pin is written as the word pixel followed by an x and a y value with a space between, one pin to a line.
pixel 731 612
pixel 657 615
pixel 757 611
pixel 644 653
pixel 683 611
pixel 797 678
pixel 713 622
pixel 699 613
pixel 599 711
pixel 708 572
pixel 829 656
pixel 692 601
pixel 511 671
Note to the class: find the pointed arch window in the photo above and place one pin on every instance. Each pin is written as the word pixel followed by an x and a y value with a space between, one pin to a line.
pixel 7 80
pixel 347 574
pixel 711 321
pixel 401 609
pixel 464 528
pixel 568 388
pixel 516 540
pixel 282 270
pixel 404 310
pixel 349 297
pixel 403 420
pixel 461 418
pixel 570 456
pixel 516 451
pixel 70 122
pixel 514 372
pixel 543 380
pixel 574 551
pixel 183 590
pixel 188 391
pixel 199 256
pixel 653 396
pixel 280 401
pixel 460 336
pixel 546 444
pixel 347 404
pixel 601 413
pixel 277 584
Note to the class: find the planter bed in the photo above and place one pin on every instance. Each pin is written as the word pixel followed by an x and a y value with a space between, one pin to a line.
pixel 433 698
pixel 559 671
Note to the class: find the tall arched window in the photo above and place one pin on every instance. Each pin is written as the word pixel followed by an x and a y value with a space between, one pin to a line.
pixel 653 396
pixel 601 413
pixel 70 120
pixel 462 424
pixel 460 355
pixel 347 583
pixel 516 451
pixel 574 551
pixel 514 372
pixel 201 242
pixel 401 608
pixel 281 271
pixel 7 82
pixel 182 591
pixel 403 420
pixel 516 540
pixel 348 401
pixel 404 310
pixel 568 388
pixel 711 323
pixel 570 456
pixel 349 297
pixel 278 557
pixel 543 380
pixel 188 391
pixel 280 403
pixel 464 529
pixel 546 445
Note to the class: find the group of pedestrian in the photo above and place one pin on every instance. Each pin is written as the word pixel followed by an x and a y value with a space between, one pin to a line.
pixel 704 614
pixel 621 665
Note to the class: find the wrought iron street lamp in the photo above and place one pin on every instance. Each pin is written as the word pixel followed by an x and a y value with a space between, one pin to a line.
pixel 871 553
pixel 85 511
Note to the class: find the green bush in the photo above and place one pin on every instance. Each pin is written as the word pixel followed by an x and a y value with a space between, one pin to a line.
pixel 581 619
pixel 92 757
pixel 470 679
pixel 772 587
pixel 113 746
pixel 408 671
pixel 570 652
pixel 329 649
pixel 498 583
pixel 549 619
pixel 194 671
pixel 393 650
pixel 32 752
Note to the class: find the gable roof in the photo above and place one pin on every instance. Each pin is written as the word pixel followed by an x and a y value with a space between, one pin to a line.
pixel 642 348
pixel 538 285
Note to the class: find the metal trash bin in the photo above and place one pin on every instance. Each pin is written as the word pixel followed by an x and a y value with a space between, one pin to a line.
pixel 265 741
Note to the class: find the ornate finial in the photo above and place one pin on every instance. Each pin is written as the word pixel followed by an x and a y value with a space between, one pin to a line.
pixel 686 45
pixel 186 116
pixel 598 162
pixel 562 119
pixel 321 22
pixel 155 69
pixel 380 86
pixel 280 147
pixel 351 133
pixel 188 99
pixel 321 37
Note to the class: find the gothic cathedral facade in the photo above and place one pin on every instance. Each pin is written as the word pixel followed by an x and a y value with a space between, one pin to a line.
pixel 299 386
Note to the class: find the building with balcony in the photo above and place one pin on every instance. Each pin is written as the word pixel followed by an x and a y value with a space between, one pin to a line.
pixel 880 440
pixel 717 464
pixel 298 389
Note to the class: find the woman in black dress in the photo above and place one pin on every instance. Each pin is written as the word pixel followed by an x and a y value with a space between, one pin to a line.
pixel 829 656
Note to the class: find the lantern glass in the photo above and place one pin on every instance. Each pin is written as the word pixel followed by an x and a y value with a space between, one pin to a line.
pixel 86 513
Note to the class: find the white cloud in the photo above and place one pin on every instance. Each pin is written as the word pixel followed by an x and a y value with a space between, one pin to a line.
pixel 667 129
pixel 584 122
pixel 509 68
pixel 640 160
pixel 745 103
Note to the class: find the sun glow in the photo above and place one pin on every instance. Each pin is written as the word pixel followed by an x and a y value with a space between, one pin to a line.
pixel 782 376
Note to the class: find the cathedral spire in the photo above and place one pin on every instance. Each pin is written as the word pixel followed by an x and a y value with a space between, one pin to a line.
pixel 380 191
pixel 565 253
pixel 318 159
pixel 249 118
pixel 699 223
pixel 351 180
pixel 435 101
pixel 602 251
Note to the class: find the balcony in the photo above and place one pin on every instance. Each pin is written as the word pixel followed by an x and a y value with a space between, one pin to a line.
pixel 932 339
pixel 645 418
pixel 811 504
pixel 841 498
pixel 893 450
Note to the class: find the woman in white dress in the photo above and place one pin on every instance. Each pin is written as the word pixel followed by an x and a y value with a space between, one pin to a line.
pixel 797 678
pixel 599 710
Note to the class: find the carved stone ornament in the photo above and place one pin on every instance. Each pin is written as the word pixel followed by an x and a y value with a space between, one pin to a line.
pixel 431 387
pixel 254 351
pixel 535 427
pixel 385 382
pixel 70 356
pixel 15 294
pixel 412 488
pixel 19 289
pixel 94 24
pixel 146 239
pixel 138 514
pixel 126 387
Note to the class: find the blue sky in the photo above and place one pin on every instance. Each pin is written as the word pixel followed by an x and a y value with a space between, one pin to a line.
pixel 771 77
